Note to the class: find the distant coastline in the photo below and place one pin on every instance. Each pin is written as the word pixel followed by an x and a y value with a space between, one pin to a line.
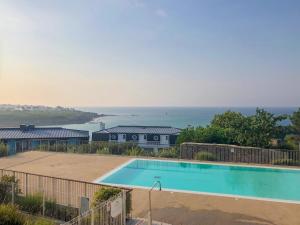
pixel 14 115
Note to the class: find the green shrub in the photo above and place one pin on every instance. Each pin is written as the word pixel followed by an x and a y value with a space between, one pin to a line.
pixel 104 194
pixel 206 156
pixel 135 151
pixel 6 188
pixel 43 222
pixel 104 150
pixel 32 203
pixel 9 215
pixel 288 162
pixel 3 149
pixel 168 153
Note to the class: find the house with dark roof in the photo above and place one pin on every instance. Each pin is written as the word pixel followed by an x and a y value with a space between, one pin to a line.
pixel 29 137
pixel 147 137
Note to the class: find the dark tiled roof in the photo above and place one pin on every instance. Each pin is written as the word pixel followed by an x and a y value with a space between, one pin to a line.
pixel 40 133
pixel 142 130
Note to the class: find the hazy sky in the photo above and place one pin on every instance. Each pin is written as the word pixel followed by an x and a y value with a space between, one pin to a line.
pixel 150 53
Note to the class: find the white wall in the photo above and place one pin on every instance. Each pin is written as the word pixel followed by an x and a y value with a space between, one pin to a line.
pixel 164 140
pixel 141 139
pixel 120 138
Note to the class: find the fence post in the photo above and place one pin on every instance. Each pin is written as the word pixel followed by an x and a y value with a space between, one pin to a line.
pixel 44 203
pixel 92 217
pixel 12 193
pixel 123 207
pixel 26 185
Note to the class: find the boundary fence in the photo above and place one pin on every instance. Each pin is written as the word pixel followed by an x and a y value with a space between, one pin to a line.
pixel 110 212
pixel 62 196
pixel 233 153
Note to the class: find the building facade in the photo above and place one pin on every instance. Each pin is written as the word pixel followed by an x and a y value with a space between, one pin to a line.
pixel 147 137
pixel 29 137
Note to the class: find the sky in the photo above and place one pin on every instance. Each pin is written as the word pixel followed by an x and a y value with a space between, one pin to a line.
pixel 150 53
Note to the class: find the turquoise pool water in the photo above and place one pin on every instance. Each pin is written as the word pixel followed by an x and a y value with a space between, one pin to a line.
pixel 257 182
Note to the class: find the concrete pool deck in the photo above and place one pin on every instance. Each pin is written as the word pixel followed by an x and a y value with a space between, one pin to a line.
pixel 174 208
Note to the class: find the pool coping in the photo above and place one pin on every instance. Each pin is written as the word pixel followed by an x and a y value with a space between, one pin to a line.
pixel 98 180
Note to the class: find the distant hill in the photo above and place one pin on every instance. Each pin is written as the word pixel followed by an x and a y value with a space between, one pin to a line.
pixel 14 115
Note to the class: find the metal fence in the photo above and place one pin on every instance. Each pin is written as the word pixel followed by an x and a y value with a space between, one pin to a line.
pixel 232 153
pixel 110 212
pixel 60 198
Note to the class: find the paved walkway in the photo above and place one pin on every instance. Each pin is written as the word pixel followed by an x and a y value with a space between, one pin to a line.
pixel 173 208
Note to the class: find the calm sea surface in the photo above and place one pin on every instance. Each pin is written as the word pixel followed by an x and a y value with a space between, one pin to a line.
pixel 170 116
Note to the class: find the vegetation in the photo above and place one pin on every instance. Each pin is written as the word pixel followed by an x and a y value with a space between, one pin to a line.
pixel 9 215
pixel 3 149
pixel 205 156
pixel 104 194
pixel 55 116
pixel 32 204
pixel 234 128
pixel 169 153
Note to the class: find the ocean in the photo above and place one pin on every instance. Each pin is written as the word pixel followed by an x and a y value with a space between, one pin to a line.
pixel 180 117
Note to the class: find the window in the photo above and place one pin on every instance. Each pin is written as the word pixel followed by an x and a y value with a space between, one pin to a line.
pixel 124 136
pixel 134 137
pixel 113 137
pixel 167 137
pixel 145 136
pixel 155 138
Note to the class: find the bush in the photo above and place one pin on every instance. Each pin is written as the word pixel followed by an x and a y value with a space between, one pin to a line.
pixel 42 222
pixel 206 156
pixel 104 150
pixel 288 162
pixel 135 151
pixel 169 153
pixel 3 150
pixel 6 188
pixel 9 215
pixel 32 203
pixel 104 194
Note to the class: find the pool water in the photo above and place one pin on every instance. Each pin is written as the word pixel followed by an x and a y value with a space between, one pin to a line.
pixel 244 181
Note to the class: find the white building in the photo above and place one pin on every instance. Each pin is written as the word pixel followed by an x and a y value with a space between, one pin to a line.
pixel 147 137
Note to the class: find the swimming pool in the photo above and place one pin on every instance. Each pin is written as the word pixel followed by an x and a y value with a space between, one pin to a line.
pixel 275 184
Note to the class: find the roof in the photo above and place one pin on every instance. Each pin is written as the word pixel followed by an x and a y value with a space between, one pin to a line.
pixel 142 130
pixel 41 133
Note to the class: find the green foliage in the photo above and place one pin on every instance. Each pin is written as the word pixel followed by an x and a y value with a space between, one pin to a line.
pixel 208 134
pixel 32 203
pixel 295 119
pixel 43 222
pixel 6 187
pixel 292 141
pixel 205 156
pixel 10 216
pixel 169 153
pixel 234 128
pixel 104 150
pixel 104 194
pixel 3 149
pixel 135 151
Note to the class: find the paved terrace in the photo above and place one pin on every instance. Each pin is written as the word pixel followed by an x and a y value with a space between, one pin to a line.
pixel 173 208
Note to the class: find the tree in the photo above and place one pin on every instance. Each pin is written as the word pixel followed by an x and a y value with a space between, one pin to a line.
pixel 295 119
pixel 207 134
pixel 235 125
pixel 262 129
